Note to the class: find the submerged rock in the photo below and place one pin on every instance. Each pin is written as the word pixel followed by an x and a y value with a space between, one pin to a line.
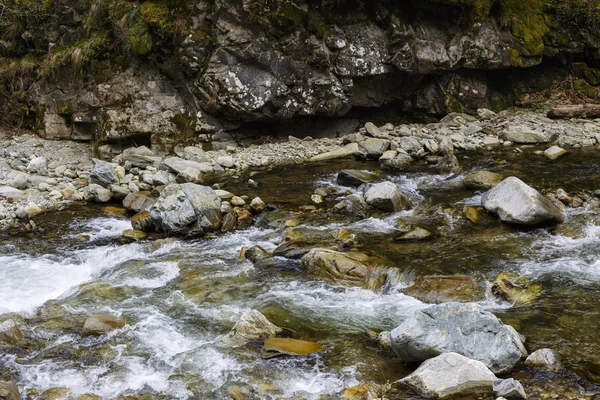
pixel 450 374
pixel 10 333
pixel 101 324
pixel 516 289
pixel 544 358
pixel 274 347
pixel 554 153
pixel 355 178
pixel 441 289
pixel 9 391
pixel 462 328
pixel 251 326
pixel 516 202
pixel 134 234
pixel 413 232
pixel 482 180
pixel 354 205
pixel 256 254
pixel 387 197
pixel 349 269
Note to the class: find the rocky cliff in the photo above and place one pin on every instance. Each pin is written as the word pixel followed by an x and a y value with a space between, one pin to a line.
pixel 166 71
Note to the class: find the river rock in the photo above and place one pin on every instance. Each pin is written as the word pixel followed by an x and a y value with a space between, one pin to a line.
pixel 187 209
pixel 524 135
pixel 12 194
pixel 544 358
pixel 450 374
pixel 9 391
pixel 516 202
pixel 355 178
pixel 441 289
pixel 353 205
pixel 509 389
pixel 251 326
pixel 398 163
pixel 274 347
pixel 413 232
pixel 350 149
pixel 141 160
pixel 257 205
pixel 554 153
pixel 349 269
pixel 256 254
pixel 482 180
pixel 97 193
pixel 101 324
pixel 374 148
pixel 18 180
pixel 462 328
pixel 184 167
pixel 10 333
pixel 517 290
pixel 449 163
pixel 37 164
pixel 142 221
pixel 134 234
pixel 387 197
pixel 138 201
pixel 103 174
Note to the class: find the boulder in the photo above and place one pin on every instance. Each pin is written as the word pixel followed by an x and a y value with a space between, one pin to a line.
pixel 256 254
pixel 544 358
pixel 37 164
pixel 449 163
pixel 186 209
pixel 524 135
pixel 355 178
pixel 18 180
pixel 251 326
pixel 257 205
pixel 101 324
pixel 387 197
pixel 461 328
pixel 509 389
pixel 353 205
pixel 133 234
pixel 450 374
pixel 142 221
pixel 103 174
pixel 398 163
pixel 9 391
pixel 374 148
pixel 482 180
pixel 441 289
pixel 554 153
pixel 10 333
pixel 350 149
pixel 348 269
pixel 413 232
pixel 141 160
pixel 180 166
pixel 97 193
pixel 275 347
pixel 516 289
pixel 516 202
pixel 138 201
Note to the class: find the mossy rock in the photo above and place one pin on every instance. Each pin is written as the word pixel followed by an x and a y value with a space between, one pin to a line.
pixel 437 289
pixel 590 75
pixel 516 289
pixel 584 88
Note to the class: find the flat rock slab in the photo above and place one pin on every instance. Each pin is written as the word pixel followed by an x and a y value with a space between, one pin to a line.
pixel 450 374
pixel 346 151
pixel 461 328
pixel 516 202
pixel 554 153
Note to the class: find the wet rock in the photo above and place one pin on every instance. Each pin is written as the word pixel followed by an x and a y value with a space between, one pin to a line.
pixel 554 153
pixel 256 254
pixel 355 178
pixel 257 205
pixel 442 289
pixel 516 202
pixel 9 391
pixel 350 149
pixel 138 201
pixel 10 333
pixel 413 232
pixel 449 163
pixel 384 340
pixel 398 163
pixel 353 205
pixel 517 290
pixel 97 193
pixel 160 243
pixel 237 201
pixel 478 216
pixel 103 174
pixel 275 347
pixel 374 148
pixel 142 221
pixel 244 218
pixel 134 234
pixel 115 211
pixel 101 324
pixel 482 180
pixel 387 197
pixel 187 209
pixel 509 389
pixel 450 374
pixel 366 391
pixel 462 328
pixel 544 358
pixel 251 326
pixel 57 393
pixel 349 269
pixel 229 223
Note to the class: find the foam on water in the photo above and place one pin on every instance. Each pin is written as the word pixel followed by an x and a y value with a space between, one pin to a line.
pixel 101 228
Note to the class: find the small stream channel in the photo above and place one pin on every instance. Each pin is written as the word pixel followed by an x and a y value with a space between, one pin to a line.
pixel 181 299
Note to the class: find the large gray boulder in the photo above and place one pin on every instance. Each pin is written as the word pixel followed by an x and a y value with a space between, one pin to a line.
pixel 516 202
pixel 461 328
pixel 387 197
pixel 450 374
pixel 354 177
pixel 188 209
pixel 103 174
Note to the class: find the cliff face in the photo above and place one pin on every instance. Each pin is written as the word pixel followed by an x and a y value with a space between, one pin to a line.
pixel 174 70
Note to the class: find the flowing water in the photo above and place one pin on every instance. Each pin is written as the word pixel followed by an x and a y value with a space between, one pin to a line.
pixel 180 300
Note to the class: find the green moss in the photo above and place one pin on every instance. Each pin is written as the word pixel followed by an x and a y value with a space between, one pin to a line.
pixel 140 40
pixel 527 22
pixel 185 124
pixel 277 17
pixel 583 87
pixel 156 15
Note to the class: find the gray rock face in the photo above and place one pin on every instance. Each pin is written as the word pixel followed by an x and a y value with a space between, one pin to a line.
pixel 516 202
pixel 353 177
pixel 544 358
pixel 462 328
pixel 450 374
pixel 387 197
pixel 188 209
pixel 103 174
